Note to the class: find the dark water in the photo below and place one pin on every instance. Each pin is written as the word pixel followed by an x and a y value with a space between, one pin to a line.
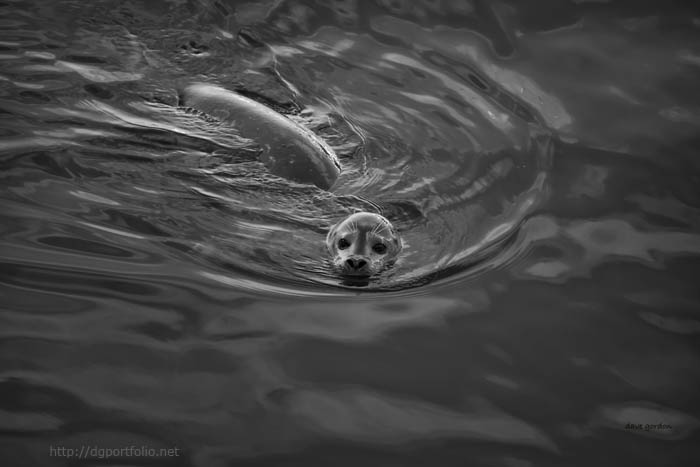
pixel 160 289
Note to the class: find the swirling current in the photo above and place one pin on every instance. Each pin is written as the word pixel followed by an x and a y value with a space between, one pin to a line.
pixel 162 289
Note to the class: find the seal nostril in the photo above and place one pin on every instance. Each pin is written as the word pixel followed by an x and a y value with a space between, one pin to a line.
pixel 361 263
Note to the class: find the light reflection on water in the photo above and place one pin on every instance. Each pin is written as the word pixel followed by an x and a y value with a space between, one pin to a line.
pixel 161 288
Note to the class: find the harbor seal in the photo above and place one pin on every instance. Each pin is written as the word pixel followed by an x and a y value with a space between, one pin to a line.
pixel 363 244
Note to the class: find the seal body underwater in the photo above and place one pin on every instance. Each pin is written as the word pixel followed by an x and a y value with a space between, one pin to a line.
pixel 361 245
pixel 288 149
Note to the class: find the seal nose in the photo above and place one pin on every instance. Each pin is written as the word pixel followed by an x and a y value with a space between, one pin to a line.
pixel 356 264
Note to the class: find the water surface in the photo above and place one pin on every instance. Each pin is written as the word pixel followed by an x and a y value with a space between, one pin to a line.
pixel 160 288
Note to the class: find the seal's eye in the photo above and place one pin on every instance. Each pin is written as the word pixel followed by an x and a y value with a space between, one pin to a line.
pixel 379 248
pixel 343 244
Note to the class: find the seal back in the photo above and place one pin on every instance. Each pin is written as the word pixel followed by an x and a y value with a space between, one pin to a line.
pixel 288 150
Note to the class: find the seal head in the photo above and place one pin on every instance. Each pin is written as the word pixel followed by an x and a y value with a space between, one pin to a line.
pixel 363 244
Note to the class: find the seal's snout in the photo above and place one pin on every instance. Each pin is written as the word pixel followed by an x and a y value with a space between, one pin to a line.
pixel 356 265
